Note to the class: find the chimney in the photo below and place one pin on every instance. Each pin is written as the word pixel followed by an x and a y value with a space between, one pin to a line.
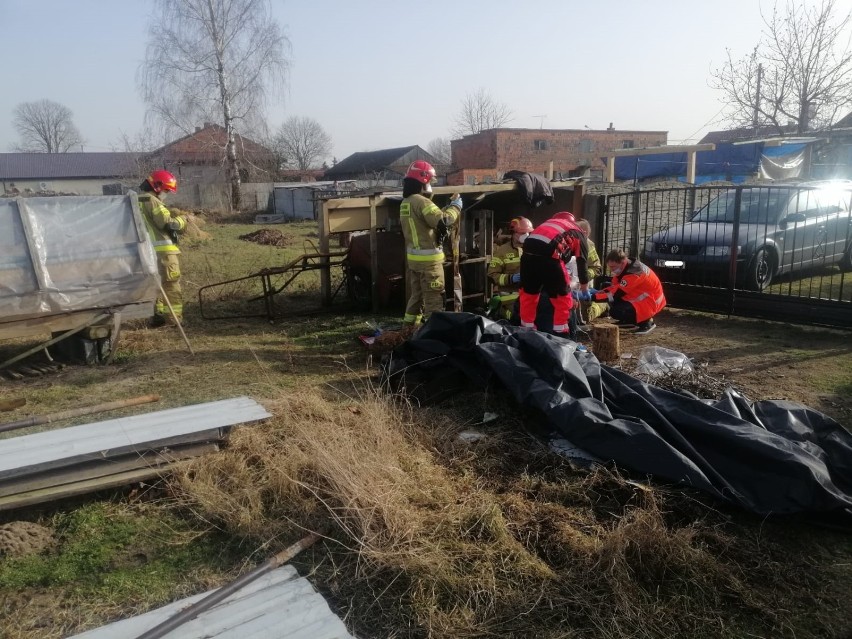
pixel 610 127
pixel 208 125
pixel 197 129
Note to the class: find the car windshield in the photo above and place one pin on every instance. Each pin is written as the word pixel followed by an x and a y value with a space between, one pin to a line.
pixel 758 207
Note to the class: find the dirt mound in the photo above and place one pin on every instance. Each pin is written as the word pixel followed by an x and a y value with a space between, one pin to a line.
pixel 20 538
pixel 268 236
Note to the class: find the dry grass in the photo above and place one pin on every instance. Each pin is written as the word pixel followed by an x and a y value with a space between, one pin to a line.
pixel 432 537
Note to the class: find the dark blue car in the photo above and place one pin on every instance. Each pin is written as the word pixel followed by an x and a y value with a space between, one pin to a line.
pixel 774 230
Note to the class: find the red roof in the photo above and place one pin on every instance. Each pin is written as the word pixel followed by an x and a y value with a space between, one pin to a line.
pixel 206 146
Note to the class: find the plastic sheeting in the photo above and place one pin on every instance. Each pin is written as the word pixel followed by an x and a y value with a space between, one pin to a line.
pixel 767 457
pixel 726 162
pixel 66 254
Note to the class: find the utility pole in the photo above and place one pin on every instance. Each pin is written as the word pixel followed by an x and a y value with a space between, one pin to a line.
pixel 756 121
pixel 541 120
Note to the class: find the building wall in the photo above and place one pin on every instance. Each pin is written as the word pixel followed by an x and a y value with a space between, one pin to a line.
pixel 533 150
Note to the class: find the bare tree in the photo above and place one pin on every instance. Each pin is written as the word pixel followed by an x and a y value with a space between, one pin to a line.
pixel 213 60
pixel 45 127
pixel 440 149
pixel 479 112
pixel 800 71
pixel 302 142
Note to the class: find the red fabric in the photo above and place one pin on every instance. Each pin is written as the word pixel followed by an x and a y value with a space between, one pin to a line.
pixel 640 287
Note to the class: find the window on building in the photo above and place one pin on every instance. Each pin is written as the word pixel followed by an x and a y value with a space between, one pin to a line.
pixel 471 179
pixel 540 145
pixel 586 146
pixel 627 144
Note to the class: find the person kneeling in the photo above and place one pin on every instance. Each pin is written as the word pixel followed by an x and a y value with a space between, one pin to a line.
pixel 635 294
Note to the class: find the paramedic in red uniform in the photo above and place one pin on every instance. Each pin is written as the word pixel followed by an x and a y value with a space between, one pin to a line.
pixel 635 294
pixel 547 250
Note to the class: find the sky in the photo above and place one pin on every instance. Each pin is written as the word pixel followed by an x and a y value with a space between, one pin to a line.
pixel 379 74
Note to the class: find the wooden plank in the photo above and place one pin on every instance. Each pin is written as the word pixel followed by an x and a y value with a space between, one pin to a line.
pixel 53 493
pixel 106 468
pixel 656 150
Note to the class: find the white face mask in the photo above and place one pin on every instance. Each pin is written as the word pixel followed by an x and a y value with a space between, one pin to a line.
pixel 427 188
pixel 520 237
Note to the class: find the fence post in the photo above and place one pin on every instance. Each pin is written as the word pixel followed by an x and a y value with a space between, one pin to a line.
pixel 633 249
pixel 732 270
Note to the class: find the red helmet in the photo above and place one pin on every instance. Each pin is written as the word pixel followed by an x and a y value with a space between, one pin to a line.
pixel 565 215
pixel 520 225
pixel 421 171
pixel 162 181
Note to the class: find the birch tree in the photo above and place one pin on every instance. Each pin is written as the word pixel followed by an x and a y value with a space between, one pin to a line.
pixel 302 142
pixel 45 127
pixel 213 60
pixel 799 72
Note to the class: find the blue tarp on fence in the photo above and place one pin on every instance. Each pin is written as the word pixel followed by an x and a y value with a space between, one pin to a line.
pixel 728 162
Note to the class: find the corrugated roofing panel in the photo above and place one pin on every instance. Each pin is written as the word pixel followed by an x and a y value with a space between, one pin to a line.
pixel 47 166
pixel 278 605
pixel 56 448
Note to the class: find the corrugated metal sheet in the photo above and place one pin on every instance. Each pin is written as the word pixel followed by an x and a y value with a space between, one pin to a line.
pixel 57 448
pixel 42 166
pixel 278 605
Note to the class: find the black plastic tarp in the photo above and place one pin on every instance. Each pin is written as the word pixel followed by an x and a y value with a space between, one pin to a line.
pixel 766 456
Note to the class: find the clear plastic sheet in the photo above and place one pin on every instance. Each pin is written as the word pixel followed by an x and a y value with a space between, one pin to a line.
pixel 69 254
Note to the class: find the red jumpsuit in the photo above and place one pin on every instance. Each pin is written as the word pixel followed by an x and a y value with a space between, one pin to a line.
pixel 546 251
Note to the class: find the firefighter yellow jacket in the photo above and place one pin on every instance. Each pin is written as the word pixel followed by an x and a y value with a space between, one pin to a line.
pixel 505 262
pixel 419 218
pixel 160 223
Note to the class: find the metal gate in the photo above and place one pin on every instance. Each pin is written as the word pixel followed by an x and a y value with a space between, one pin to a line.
pixel 775 252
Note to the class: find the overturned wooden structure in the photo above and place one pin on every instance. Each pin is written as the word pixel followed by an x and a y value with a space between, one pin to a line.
pixel 486 208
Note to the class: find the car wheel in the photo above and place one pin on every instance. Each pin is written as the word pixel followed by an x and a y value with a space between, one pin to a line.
pixel 846 262
pixel 759 274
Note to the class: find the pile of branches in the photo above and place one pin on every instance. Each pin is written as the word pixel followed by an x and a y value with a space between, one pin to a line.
pixel 268 236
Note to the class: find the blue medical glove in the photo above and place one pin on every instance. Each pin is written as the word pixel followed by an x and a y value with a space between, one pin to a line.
pixel 582 296
pixel 516 278
pixel 457 202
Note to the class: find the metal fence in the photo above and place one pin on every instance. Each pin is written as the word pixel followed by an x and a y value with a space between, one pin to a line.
pixel 779 252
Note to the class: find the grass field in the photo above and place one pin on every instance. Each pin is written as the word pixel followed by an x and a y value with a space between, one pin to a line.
pixel 424 535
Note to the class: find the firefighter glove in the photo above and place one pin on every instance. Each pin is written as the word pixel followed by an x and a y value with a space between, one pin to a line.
pixel 174 225
pixel 516 278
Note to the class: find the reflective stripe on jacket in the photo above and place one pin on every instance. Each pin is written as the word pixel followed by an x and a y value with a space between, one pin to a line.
pixel 640 287
pixel 419 217
pixel 157 218
pixel 505 262
pixel 560 239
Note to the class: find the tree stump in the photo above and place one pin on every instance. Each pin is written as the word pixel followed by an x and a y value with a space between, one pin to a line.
pixel 605 342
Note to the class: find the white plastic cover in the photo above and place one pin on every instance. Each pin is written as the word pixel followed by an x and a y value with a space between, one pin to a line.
pixel 66 254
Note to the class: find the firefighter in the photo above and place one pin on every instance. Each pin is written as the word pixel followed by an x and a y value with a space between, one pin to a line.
pixel 547 250
pixel 635 294
pixel 592 310
pixel 163 229
pixel 425 227
pixel 504 271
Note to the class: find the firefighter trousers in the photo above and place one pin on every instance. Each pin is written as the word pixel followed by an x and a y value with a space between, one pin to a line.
pixel 425 283
pixel 169 267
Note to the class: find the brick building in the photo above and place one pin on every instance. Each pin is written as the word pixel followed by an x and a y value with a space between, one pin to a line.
pixel 199 158
pixel 486 156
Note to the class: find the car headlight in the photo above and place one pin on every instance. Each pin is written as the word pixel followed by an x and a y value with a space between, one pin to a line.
pixel 717 250
pixel 649 246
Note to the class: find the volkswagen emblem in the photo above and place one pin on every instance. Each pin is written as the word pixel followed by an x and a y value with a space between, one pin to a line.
pixel 675 249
